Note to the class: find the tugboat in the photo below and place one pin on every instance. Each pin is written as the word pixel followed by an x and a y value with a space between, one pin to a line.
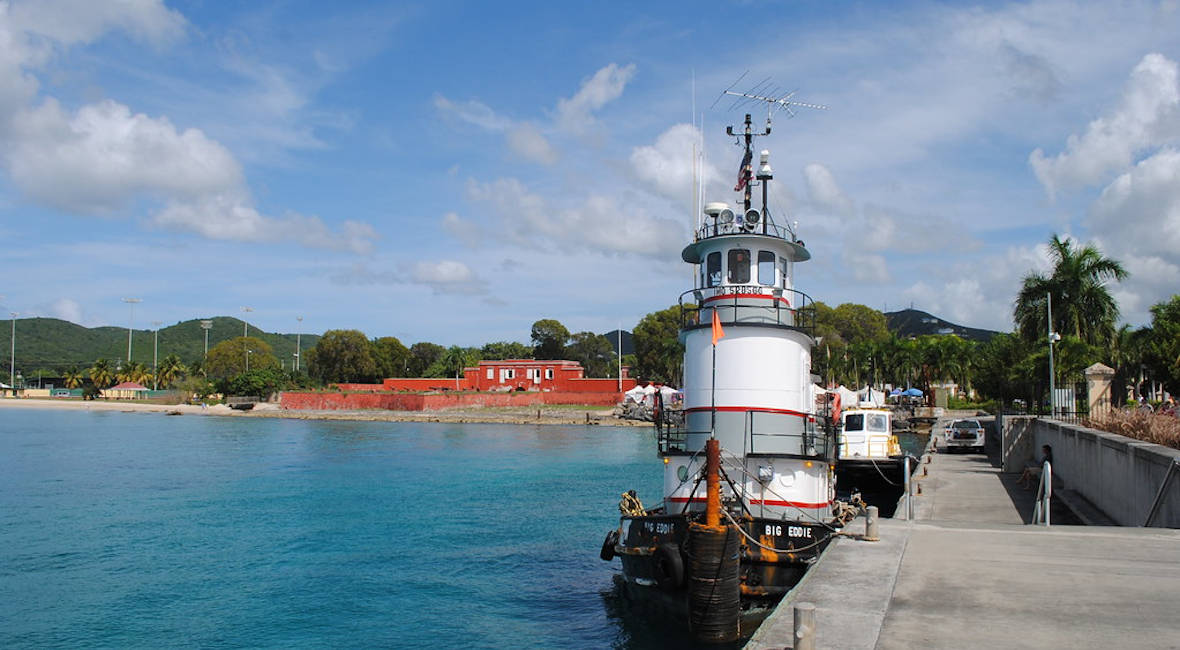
pixel 748 497
pixel 870 461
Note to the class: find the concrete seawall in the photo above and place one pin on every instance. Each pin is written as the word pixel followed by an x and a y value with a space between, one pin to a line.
pixel 1119 476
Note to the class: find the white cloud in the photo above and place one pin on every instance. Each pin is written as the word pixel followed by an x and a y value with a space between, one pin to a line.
pixel 667 166
pixel 103 157
pixel 527 141
pixel 462 229
pixel 82 21
pixel 66 309
pixel 597 223
pixel 1139 212
pixel 473 112
pixel 825 192
pixel 865 267
pixel 447 276
pixel 576 114
pixel 1148 115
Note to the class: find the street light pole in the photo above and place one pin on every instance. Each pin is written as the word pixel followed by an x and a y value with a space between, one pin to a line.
pixel 1053 338
pixel 156 357
pixel 248 353
pixel 298 350
pixel 12 363
pixel 130 323
pixel 206 325
pixel 245 325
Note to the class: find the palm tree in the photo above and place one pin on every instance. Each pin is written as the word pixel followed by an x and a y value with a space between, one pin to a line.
pixel 1082 305
pixel 170 369
pixel 73 377
pixel 101 374
pixel 134 371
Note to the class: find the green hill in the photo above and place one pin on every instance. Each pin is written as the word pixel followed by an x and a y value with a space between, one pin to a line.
pixel 912 322
pixel 50 344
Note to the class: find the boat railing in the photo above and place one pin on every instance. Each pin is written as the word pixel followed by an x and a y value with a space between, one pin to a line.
pixel 717 229
pixel 747 306
pixel 764 434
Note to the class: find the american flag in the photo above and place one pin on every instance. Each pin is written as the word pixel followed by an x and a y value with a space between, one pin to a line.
pixel 743 171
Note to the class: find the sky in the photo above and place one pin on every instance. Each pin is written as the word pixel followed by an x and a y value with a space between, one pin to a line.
pixel 453 172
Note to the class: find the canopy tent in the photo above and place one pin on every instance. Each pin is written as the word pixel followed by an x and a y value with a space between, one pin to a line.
pixel 912 392
pixel 895 392
pixel 870 397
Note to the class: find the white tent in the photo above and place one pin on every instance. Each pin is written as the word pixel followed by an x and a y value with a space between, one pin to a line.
pixel 635 395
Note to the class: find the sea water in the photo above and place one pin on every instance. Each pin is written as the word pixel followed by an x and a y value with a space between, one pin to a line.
pixel 144 530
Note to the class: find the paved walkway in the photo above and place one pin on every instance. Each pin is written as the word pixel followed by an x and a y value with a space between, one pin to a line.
pixel 970 573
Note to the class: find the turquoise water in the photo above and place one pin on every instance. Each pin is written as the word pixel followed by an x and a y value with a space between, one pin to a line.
pixel 143 530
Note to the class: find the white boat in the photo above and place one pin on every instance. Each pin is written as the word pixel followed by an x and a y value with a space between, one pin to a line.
pixel 748 500
pixel 870 461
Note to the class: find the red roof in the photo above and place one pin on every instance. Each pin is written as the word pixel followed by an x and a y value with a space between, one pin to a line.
pixel 127 385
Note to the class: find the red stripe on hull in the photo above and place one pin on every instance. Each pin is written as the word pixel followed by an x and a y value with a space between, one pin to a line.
pixel 755 296
pixel 758 409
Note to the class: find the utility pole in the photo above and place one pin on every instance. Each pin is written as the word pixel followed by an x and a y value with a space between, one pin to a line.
pixel 1053 338
pixel 206 325
pixel 298 350
pixel 156 357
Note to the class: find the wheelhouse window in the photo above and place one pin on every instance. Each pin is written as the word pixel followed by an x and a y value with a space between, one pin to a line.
pixel 854 422
pixel 739 266
pixel 766 268
pixel 713 269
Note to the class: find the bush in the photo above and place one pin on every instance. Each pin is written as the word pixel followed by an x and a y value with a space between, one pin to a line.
pixel 1141 425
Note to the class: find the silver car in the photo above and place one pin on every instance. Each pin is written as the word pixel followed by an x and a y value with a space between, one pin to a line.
pixel 964 434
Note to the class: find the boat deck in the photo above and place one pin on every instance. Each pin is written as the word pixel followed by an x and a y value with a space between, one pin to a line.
pixel 968 572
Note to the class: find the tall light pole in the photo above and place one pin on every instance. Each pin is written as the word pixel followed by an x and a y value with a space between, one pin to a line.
pixel 206 325
pixel 248 353
pixel 130 323
pixel 12 364
pixel 156 356
pixel 298 350
pixel 1053 338
pixel 245 325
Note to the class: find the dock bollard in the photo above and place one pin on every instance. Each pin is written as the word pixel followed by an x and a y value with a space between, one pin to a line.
pixel 872 534
pixel 804 626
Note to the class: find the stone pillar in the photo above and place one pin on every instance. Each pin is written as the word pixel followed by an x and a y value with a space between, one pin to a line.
pixel 1098 378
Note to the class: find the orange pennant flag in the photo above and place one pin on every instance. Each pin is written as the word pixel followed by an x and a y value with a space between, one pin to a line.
pixel 717 331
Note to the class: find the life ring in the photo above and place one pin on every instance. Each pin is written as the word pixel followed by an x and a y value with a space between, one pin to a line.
pixel 668 567
pixel 608 546
pixel 835 407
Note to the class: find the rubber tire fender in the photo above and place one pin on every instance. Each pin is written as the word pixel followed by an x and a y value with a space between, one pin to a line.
pixel 608 546
pixel 668 567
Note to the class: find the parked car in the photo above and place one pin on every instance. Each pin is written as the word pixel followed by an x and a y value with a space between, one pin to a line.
pixel 964 434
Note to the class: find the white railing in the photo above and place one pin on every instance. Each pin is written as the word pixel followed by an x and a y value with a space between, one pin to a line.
pixel 1044 494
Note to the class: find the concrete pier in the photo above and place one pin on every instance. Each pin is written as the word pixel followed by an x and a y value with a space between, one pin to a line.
pixel 969 572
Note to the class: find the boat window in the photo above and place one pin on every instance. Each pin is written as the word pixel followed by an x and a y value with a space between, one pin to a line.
pixel 713 269
pixel 854 422
pixel 766 268
pixel 877 422
pixel 739 266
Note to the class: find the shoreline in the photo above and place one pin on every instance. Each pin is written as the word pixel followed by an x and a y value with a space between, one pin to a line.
pixel 516 415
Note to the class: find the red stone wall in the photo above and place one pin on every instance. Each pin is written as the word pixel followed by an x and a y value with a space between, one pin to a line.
pixel 437 402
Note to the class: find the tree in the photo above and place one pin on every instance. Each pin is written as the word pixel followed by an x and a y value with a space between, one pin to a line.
pixel 501 350
pixel 549 338
pixel 228 358
pixel 422 356
pixel 134 371
pixel 73 377
pixel 392 359
pixel 261 382
pixel 341 356
pixel 1163 346
pixel 170 370
pixel 454 360
pixel 1005 369
pixel 659 354
pixel 594 352
pixel 101 373
pixel 1082 305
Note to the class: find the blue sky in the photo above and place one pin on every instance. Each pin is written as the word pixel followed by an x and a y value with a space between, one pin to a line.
pixel 453 172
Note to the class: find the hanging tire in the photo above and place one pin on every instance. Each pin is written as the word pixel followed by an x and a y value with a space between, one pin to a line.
pixel 668 567
pixel 608 546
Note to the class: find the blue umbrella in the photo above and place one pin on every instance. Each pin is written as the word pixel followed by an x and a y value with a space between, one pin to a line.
pixel 912 392
pixel 895 392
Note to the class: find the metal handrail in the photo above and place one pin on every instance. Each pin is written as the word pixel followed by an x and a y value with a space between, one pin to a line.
pixel 730 303
pixel 1044 494
pixel 764 227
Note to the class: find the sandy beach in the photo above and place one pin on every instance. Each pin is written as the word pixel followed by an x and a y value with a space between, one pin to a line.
pixel 518 415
